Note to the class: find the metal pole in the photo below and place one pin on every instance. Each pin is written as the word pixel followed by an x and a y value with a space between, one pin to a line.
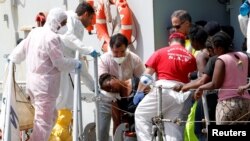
pixel 159 113
pixel 79 102
pixel 97 101
pixel 23 135
pixel 7 132
pixel 204 103
pixel 75 111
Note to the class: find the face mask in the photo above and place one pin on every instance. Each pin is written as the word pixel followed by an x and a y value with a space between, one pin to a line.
pixel 62 30
pixel 119 60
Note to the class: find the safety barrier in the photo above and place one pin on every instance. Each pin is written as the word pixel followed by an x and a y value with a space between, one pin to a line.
pixel 157 121
pixel 89 97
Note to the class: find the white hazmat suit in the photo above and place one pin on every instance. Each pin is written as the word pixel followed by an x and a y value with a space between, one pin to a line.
pixel 45 61
pixel 244 24
pixel 72 39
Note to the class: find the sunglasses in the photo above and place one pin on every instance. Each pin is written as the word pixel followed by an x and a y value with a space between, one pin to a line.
pixel 178 26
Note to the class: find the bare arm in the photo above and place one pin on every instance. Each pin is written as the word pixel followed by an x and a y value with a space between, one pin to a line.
pixel 241 89
pixel 201 61
pixel 196 83
pixel 217 80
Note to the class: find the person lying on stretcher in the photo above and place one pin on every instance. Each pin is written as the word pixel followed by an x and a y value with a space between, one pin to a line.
pixel 125 90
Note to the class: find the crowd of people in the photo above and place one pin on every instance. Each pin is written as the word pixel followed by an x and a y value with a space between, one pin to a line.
pixel 198 57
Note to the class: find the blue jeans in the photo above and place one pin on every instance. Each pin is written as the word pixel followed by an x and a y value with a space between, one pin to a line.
pixel 105 118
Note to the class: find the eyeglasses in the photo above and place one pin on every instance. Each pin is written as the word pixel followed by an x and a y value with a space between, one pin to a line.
pixel 178 26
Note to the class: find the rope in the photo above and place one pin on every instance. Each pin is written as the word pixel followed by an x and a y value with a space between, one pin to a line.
pixel 241 117
pixel 22 101
pixel 228 89
pixel 178 121
pixel 131 114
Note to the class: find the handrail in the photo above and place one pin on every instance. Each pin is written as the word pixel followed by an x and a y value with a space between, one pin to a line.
pixel 75 106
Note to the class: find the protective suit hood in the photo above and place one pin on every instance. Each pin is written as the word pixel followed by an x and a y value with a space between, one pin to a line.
pixel 54 19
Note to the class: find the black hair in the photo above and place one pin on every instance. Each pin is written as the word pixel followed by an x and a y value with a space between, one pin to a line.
pixel 212 27
pixel 222 39
pixel 197 34
pixel 229 30
pixel 209 43
pixel 104 78
pixel 84 7
pixel 183 15
pixel 201 23
pixel 118 40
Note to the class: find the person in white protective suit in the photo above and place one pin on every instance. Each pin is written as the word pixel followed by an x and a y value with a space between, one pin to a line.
pixel 121 63
pixel 175 105
pixel 72 35
pixel 243 19
pixel 42 50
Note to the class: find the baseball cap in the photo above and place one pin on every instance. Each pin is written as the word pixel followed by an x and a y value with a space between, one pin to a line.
pixel 177 35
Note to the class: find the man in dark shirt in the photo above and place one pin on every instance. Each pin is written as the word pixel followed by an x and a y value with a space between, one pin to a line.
pixel 123 107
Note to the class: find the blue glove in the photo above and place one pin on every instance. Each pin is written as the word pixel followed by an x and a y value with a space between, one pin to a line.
pixel 78 64
pixel 138 97
pixel 94 54
pixel 245 8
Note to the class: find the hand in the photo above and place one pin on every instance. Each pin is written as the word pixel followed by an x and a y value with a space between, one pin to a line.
pixel 198 93
pixel 78 64
pixel 94 54
pixel 138 97
pixel 245 8
pixel 177 87
pixel 241 90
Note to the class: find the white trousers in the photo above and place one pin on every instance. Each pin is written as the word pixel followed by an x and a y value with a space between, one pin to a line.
pixel 174 106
